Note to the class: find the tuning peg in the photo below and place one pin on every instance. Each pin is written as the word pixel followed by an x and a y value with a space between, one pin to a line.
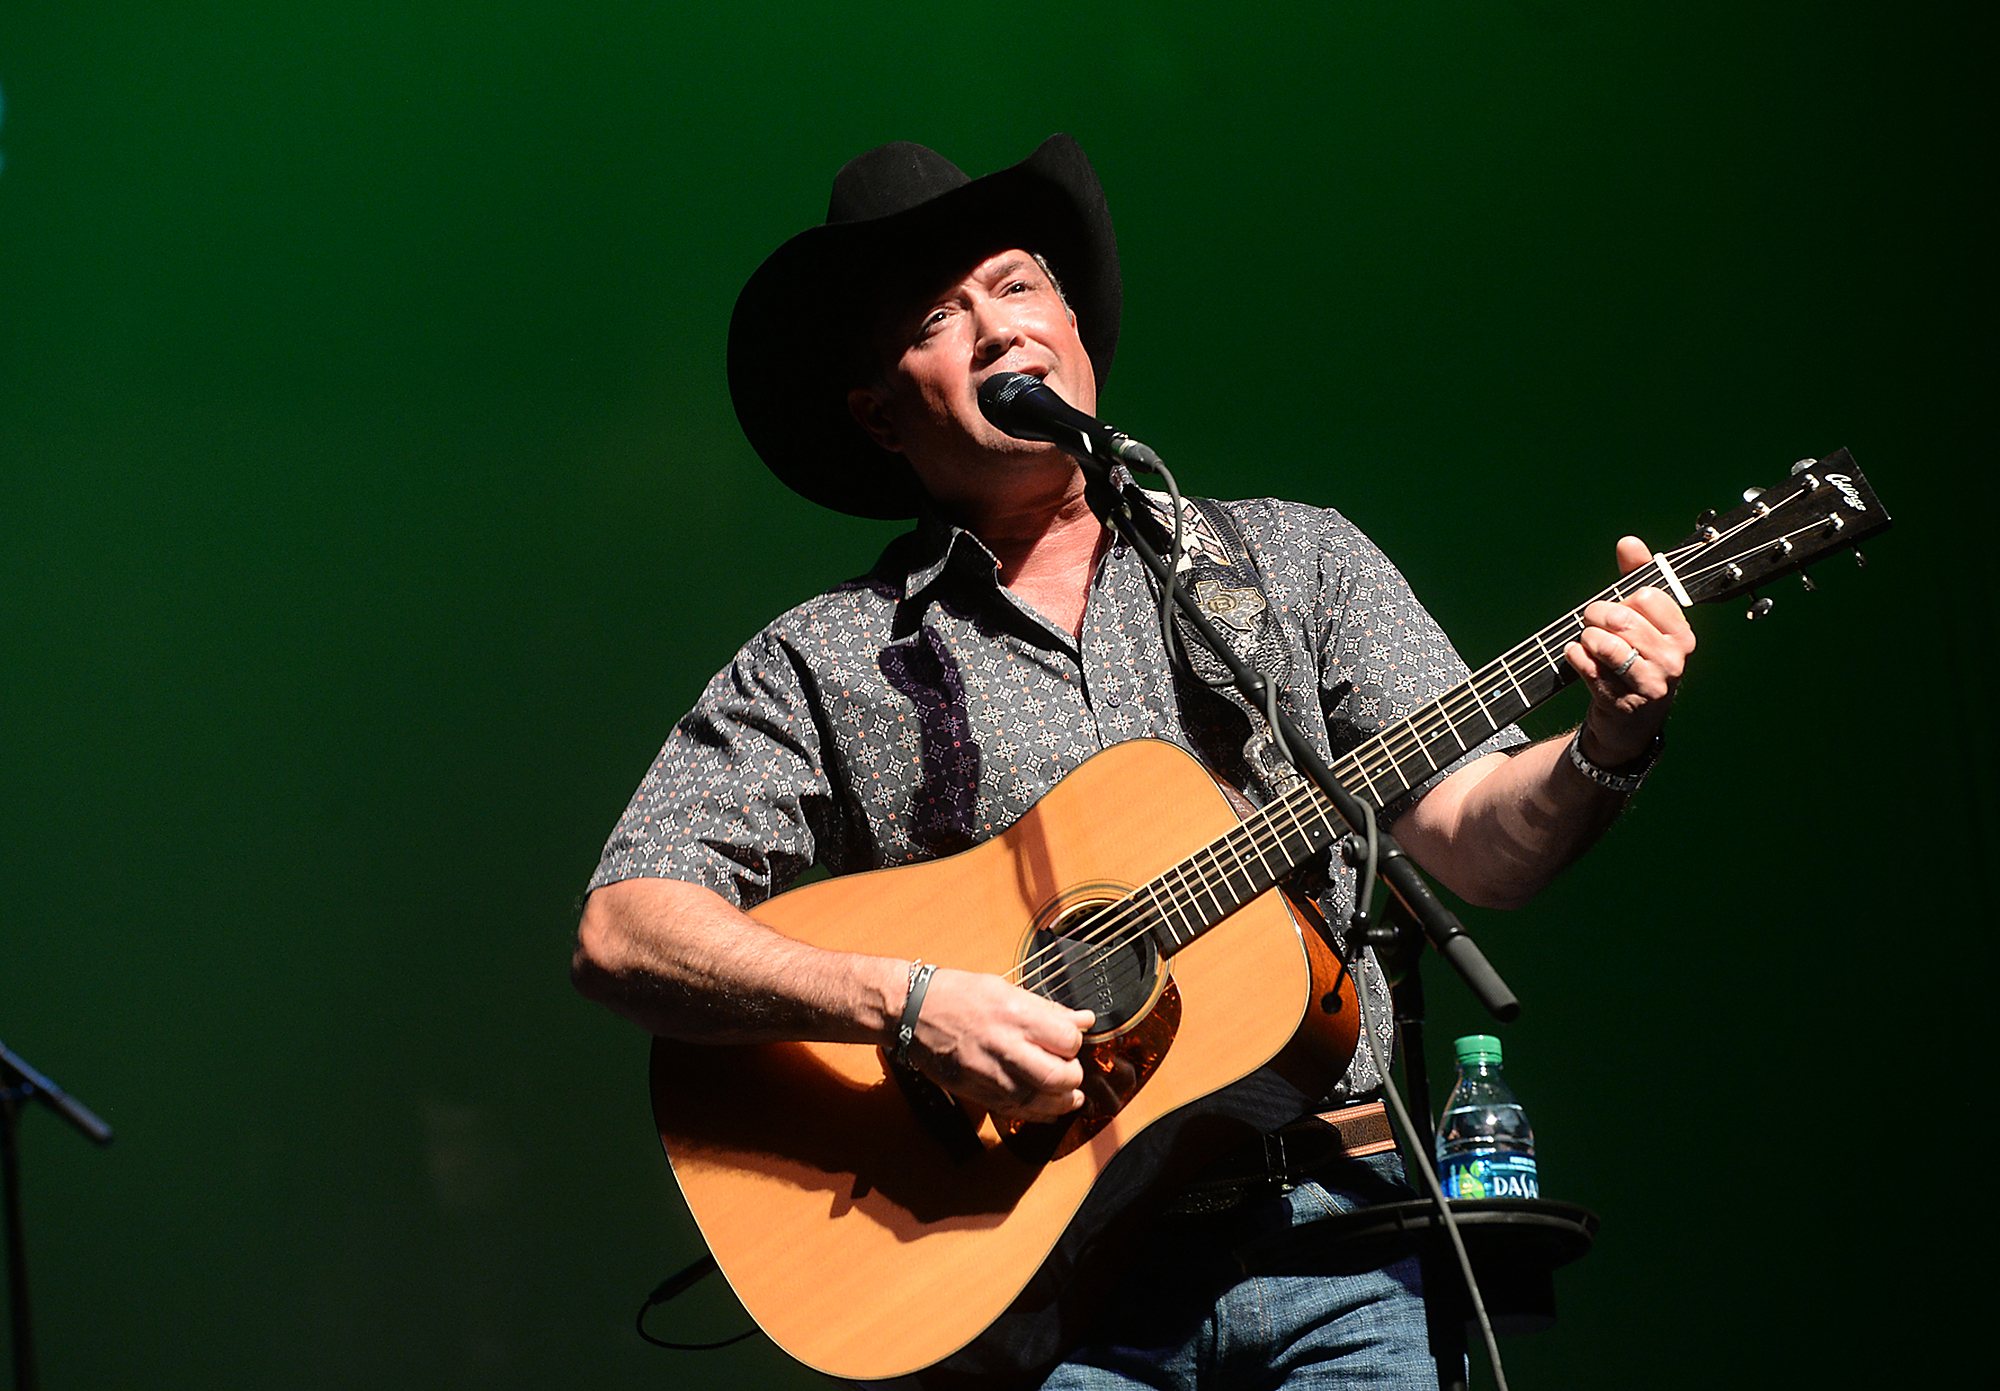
pixel 1802 465
pixel 1860 561
pixel 1759 609
pixel 1752 494
pixel 1807 581
pixel 1707 518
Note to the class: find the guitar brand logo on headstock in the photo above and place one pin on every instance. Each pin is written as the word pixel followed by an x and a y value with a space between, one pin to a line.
pixel 1848 490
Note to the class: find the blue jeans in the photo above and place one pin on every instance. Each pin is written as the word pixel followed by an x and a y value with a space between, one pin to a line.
pixel 1184 1320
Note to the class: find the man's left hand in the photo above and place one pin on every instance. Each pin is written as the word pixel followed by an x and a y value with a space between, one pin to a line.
pixel 1631 654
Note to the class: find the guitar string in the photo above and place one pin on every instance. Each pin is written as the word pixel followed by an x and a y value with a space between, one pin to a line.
pixel 1388 751
pixel 1123 914
pixel 1108 928
pixel 1165 893
pixel 1102 927
pixel 1105 927
pixel 1417 733
pixel 1420 731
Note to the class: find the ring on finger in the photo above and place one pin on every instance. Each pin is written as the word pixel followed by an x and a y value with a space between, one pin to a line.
pixel 1626 665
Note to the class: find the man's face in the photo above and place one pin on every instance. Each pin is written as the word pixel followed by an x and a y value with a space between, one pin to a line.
pixel 1004 315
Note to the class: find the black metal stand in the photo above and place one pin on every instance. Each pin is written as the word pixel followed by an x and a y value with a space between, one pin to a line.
pixel 1515 1244
pixel 20 1082
pixel 1444 1318
pixel 22 1319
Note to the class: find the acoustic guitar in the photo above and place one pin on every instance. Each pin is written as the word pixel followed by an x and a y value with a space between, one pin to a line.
pixel 875 1228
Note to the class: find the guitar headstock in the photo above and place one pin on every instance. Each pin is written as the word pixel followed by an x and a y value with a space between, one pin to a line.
pixel 1825 506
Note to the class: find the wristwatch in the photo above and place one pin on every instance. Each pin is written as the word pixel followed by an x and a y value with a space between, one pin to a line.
pixel 1624 779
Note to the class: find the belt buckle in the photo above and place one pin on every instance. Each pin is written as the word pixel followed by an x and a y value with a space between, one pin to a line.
pixel 1277 1165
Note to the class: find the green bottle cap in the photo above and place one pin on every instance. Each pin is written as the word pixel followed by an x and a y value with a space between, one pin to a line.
pixel 1476 1050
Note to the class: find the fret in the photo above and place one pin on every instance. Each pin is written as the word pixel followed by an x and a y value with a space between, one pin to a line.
pixel 1431 738
pixel 1451 728
pixel 1292 837
pixel 1265 840
pixel 1472 687
pixel 1185 884
pixel 1300 835
pixel 1487 724
pixel 1363 772
pixel 1527 702
pixel 1396 765
pixel 1573 628
pixel 1237 875
pixel 1191 926
pixel 1423 728
pixel 1228 868
pixel 1277 856
pixel 1308 799
pixel 1203 885
pixel 1168 937
pixel 1438 754
pixel 1507 669
pixel 1273 854
pixel 1543 652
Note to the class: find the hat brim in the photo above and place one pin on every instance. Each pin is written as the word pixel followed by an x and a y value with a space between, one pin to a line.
pixel 802 323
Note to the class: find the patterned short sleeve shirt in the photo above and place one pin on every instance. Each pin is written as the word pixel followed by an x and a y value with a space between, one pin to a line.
pixel 923 708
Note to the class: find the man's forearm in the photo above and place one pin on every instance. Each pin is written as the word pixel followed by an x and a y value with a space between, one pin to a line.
pixel 1497 831
pixel 684 963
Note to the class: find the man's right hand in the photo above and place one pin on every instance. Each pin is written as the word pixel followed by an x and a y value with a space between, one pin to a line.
pixel 999 1046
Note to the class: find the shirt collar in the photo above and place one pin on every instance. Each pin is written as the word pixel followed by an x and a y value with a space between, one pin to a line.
pixel 933 545
pixel 936 541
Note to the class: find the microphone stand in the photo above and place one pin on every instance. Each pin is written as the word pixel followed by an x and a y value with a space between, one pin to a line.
pixel 1519 1242
pixel 1116 510
pixel 18 1083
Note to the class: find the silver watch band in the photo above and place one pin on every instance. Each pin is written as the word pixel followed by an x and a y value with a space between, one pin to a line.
pixel 1624 783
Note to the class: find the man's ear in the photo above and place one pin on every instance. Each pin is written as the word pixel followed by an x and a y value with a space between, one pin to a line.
pixel 870 409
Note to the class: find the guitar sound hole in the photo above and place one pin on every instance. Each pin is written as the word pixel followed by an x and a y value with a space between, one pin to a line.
pixel 1110 969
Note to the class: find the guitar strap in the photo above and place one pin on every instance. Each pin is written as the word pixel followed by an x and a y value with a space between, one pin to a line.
pixel 1219 572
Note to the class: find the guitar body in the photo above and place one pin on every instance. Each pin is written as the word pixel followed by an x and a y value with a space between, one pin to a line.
pixel 869 1244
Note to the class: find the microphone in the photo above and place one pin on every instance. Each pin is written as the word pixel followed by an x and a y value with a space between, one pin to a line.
pixel 1028 409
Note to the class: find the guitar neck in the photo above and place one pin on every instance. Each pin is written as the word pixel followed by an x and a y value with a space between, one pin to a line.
pixel 1221 877
pixel 1824 507
pixel 1385 766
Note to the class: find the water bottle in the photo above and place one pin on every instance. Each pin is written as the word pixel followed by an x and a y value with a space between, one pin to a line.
pixel 1485 1147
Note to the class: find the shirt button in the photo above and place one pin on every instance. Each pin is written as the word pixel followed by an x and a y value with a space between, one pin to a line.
pixel 1111 699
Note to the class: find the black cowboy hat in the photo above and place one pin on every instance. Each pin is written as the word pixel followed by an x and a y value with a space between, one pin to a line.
pixel 903 220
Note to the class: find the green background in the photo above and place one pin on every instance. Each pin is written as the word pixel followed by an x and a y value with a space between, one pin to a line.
pixel 373 503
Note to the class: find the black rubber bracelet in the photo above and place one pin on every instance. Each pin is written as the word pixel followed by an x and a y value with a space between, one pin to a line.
pixel 906 1029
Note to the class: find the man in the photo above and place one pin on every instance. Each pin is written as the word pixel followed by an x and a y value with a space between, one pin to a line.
pixel 925 707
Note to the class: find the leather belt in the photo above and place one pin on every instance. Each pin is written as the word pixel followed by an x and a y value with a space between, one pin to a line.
pixel 1288 1156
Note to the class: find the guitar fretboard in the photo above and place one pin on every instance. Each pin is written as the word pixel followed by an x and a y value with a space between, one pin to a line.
pixel 1221 877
